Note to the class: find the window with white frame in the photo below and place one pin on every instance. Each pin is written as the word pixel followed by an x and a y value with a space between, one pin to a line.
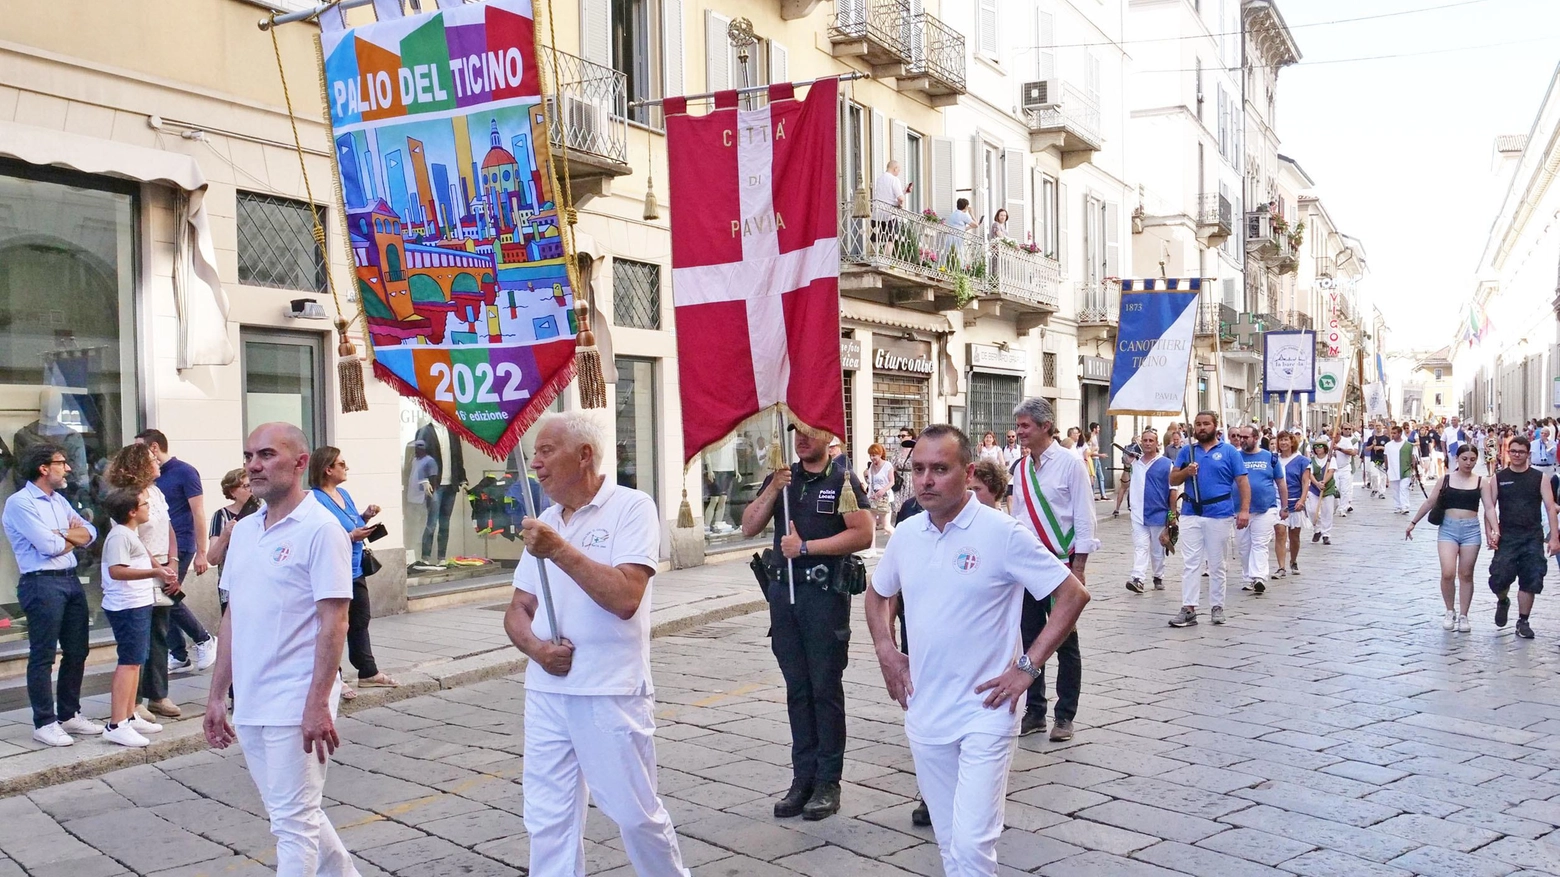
pixel 636 53
pixel 912 170
pixel 1044 229
pixel 987 29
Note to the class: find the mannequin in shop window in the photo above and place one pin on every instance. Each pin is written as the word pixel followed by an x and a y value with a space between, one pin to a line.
pixel 49 427
pixel 447 483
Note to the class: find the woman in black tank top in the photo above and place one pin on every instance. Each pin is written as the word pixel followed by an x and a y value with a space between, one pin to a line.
pixel 1457 497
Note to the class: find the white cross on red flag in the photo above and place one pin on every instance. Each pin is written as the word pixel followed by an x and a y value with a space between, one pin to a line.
pixel 755 262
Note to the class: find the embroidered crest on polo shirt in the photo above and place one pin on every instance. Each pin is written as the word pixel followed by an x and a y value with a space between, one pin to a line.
pixel 966 561
pixel 596 538
pixel 280 553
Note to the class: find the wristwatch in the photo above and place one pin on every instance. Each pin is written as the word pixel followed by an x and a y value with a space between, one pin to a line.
pixel 1028 666
pixel 804 548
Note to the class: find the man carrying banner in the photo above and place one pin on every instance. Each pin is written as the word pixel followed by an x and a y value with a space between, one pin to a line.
pixel 959 569
pixel 1344 452
pixel 1053 498
pixel 1214 474
pixel 589 702
pixel 811 637
pixel 1152 499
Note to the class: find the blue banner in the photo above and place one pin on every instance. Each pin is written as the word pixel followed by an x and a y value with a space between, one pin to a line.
pixel 1154 346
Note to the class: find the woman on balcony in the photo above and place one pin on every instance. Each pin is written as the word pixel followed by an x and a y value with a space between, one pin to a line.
pixel 999 223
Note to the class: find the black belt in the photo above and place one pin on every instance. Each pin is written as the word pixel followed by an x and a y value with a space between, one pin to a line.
pixel 1197 505
pixel 51 572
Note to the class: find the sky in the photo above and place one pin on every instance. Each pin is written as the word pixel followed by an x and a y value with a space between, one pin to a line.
pixel 1401 148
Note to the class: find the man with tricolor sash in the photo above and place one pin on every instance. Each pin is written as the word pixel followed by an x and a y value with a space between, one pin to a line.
pixel 1053 498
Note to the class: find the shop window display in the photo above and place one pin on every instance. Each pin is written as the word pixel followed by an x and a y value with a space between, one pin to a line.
pixel 734 471
pixel 67 374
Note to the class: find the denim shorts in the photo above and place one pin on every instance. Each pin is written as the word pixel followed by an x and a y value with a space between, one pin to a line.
pixel 1462 531
pixel 132 633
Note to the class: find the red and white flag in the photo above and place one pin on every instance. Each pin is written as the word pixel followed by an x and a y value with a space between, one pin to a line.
pixel 756 262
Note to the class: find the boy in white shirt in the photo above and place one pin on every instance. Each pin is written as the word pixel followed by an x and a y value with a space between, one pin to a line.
pixel 129 592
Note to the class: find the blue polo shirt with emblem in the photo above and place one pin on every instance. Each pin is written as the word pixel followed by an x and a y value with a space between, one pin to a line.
pixel 1214 487
pixel 1263 473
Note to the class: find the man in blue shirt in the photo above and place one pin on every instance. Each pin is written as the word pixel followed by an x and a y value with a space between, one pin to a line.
pixel 45 532
pixel 1269 504
pixel 1215 502
pixel 180 485
pixel 1150 508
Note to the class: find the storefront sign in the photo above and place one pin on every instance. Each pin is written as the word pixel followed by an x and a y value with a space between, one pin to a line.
pixel 992 357
pixel 850 354
pixel 890 354
pixel 1095 369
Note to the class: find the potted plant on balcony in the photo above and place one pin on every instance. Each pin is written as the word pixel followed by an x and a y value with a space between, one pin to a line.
pixel 930 215
pixel 1297 236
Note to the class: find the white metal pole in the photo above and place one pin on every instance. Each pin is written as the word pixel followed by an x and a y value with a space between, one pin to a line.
pixel 785 499
pixel 541 565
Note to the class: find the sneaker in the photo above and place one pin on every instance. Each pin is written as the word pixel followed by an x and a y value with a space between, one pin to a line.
pixel 1502 610
pixel 1205 574
pixel 125 735
pixel 142 726
pixel 1326 540
pixel 1062 731
pixel 1294 568
pixel 1524 629
pixel 1033 723
pixel 206 653
pixel 1462 624
pixel 1281 573
pixel 1135 586
pixel 1246 586
pixel 1159 583
pixel 1450 621
pixel 1258 587
pixel 920 816
pixel 52 735
pixel 175 665
pixel 1187 617
pixel 1217 614
pixel 81 725
pixel 1315 538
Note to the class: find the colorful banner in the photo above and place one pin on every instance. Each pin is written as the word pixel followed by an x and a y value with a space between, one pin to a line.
pixel 1154 346
pixel 441 147
pixel 756 262
pixel 1332 376
pixel 1288 366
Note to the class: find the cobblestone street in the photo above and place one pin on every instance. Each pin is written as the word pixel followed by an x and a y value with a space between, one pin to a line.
pixel 1331 727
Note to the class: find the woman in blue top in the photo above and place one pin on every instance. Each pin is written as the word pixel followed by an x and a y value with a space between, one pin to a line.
pixel 1294 465
pixel 327 472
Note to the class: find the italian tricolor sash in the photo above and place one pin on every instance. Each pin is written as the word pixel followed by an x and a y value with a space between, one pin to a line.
pixel 1046 526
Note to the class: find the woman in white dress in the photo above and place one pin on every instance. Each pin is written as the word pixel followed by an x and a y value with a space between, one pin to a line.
pixel 879 481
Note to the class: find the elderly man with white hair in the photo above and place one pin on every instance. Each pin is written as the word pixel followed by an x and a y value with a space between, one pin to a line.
pixel 589 704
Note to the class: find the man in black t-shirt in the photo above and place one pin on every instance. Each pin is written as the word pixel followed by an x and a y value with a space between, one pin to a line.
pixel 1516 503
pixel 1376 473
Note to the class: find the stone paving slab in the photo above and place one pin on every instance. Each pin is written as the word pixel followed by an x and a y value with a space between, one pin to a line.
pixel 1330 728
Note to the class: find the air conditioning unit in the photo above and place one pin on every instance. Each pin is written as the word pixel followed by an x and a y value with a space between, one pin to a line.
pixel 582 121
pixel 1259 225
pixel 1042 94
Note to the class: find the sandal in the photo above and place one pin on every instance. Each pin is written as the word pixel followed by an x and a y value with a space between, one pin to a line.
pixel 378 680
pixel 347 693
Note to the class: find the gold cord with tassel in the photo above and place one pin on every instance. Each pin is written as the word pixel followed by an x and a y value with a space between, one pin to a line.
pixel 847 503
pixel 685 512
pixel 587 359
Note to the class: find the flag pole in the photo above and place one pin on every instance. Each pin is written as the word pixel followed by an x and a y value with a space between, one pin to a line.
pixel 541 565
pixel 783 456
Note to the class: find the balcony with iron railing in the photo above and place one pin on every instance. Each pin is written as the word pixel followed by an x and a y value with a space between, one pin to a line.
pixel 1022 277
pixel 1268 242
pixel 1099 304
pixel 897 249
pixel 1068 121
pixel 586 119
pixel 1214 318
pixel 882 33
pixel 1215 219
pixel 936 67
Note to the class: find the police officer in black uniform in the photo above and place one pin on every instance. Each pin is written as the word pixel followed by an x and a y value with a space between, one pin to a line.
pixel 810 639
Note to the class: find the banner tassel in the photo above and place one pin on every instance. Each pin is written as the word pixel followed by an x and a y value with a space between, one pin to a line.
pixel 349 372
pixel 587 360
pixel 685 512
pixel 848 502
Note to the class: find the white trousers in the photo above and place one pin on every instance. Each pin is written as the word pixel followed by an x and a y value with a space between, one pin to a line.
pixel 291 782
pixel 601 746
pixel 1324 517
pixel 1252 544
pixel 1204 539
pixel 1402 490
pixel 1345 481
pixel 1375 478
pixel 1146 549
pixel 964 785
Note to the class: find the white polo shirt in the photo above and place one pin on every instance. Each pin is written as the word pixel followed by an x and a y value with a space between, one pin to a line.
pixel 611 655
pixel 963 594
pixel 274 577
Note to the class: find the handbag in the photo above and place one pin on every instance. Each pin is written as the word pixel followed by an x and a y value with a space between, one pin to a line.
pixel 371 563
pixel 1438 511
pixel 160 598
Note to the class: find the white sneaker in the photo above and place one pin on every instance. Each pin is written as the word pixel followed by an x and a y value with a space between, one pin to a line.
pixel 124 735
pixel 175 665
pixel 81 725
pixel 206 653
pixel 52 735
pixel 142 726
pixel 1462 624
pixel 1450 621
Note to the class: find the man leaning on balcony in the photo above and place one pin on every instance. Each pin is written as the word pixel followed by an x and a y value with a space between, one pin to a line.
pixel 887 191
